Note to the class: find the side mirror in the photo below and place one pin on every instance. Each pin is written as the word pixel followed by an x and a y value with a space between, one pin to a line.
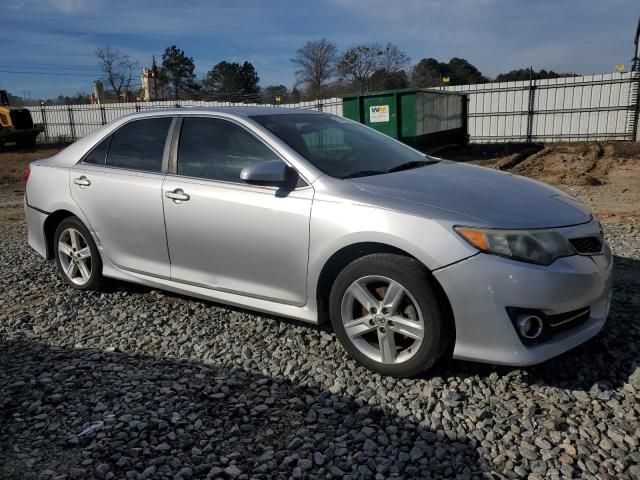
pixel 272 172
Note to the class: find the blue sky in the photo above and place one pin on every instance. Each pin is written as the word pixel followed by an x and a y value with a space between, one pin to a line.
pixel 60 36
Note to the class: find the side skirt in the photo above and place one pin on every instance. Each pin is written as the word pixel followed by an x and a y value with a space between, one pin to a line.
pixel 305 313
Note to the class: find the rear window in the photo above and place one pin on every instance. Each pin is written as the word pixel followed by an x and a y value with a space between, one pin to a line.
pixel 139 145
pixel 98 155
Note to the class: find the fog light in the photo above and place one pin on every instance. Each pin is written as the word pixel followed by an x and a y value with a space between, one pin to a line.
pixel 530 326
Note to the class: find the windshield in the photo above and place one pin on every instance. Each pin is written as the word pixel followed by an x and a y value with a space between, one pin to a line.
pixel 341 148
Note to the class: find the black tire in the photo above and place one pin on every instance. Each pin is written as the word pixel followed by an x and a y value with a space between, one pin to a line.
pixel 416 281
pixel 95 278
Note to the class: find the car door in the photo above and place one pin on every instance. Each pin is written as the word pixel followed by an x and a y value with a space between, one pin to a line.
pixel 118 186
pixel 225 234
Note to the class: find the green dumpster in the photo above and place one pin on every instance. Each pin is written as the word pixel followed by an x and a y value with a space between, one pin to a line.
pixel 421 118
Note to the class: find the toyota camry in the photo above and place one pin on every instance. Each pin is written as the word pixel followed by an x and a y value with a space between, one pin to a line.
pixel 314 217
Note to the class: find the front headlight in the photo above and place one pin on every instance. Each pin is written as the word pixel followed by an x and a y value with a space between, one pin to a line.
pixel 535 246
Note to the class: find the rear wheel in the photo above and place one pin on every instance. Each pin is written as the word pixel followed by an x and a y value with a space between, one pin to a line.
pixel 77 255
pixel 386 314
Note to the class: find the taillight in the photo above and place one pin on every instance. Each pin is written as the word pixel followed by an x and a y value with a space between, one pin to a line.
pixel 25 174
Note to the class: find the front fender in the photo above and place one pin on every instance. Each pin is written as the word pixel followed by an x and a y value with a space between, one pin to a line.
pixel 336 225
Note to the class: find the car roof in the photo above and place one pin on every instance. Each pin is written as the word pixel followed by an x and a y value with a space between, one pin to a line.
pixel 245 111
pixel 73 152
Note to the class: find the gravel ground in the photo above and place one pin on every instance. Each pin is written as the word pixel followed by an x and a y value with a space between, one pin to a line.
pixel 135 383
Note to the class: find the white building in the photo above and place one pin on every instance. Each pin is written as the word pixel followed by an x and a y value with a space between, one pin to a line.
pixel 149 82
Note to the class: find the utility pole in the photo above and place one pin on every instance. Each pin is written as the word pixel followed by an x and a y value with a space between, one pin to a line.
pixel 635 61
pixel 154 72
pixel 635 86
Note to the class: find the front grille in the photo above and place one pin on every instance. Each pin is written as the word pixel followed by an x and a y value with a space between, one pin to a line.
pixel 587 245
pixel 21 119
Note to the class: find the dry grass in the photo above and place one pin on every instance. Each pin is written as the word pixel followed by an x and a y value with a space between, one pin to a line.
pixel 13 163
pixel 626 149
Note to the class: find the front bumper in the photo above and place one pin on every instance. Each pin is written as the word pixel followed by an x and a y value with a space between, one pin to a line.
pixel 481 288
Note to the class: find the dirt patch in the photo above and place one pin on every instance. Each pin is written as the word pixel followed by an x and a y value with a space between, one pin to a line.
pixel 568 164
pixel 577 163
pixel 604 175
pixel 13 163
pixel 490 154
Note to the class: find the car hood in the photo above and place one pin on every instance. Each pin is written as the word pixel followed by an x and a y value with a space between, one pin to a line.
pixel 497 199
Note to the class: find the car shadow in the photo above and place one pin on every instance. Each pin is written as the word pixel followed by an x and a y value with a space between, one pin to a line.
pixel 86 413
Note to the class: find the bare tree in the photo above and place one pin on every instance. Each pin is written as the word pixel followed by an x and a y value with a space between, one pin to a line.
pixel 393 59
pixel 316 62
pixel 118 68
pixel 359 62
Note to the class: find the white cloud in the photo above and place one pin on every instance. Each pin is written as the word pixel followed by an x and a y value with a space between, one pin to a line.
pixel 74 6
pixel 412 11
pixel 70 7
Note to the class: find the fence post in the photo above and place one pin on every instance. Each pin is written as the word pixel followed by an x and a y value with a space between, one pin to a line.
pixel 635 93
pixel 532 100
pixel 44 124
pixel 465 117
pixel 103 115
pixel 71 123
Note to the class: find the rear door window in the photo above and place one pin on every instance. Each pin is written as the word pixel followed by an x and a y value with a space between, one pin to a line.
pixel 139 145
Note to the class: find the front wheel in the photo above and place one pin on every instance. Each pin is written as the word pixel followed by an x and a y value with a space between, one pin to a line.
pixel 77 255
pixel 386 314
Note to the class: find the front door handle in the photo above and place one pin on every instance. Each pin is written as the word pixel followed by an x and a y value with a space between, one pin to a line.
pixel 178 195
pixel 82 181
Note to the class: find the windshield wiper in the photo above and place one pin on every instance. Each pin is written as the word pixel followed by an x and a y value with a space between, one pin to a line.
pixel 364 173
pixel 412 164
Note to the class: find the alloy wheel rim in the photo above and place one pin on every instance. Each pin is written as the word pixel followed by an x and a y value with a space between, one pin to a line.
pixel 75 256
pixel 382 319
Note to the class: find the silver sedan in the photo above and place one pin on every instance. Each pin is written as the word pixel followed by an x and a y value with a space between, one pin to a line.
pixel 314 217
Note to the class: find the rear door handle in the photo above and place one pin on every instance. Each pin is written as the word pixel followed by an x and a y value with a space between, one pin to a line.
pixel 82 181
pixel 178 195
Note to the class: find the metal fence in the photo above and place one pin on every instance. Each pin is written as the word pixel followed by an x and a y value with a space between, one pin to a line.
pixel 67 123
pixel 591 107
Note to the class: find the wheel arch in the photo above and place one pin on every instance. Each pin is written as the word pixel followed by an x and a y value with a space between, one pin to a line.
pixel 50 225
pixel 347 254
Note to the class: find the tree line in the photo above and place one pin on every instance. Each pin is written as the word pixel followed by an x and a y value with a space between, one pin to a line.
pixel 321 71
pixel 371 66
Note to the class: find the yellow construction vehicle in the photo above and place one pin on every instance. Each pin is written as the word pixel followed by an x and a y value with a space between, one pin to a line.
pixel 16 124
